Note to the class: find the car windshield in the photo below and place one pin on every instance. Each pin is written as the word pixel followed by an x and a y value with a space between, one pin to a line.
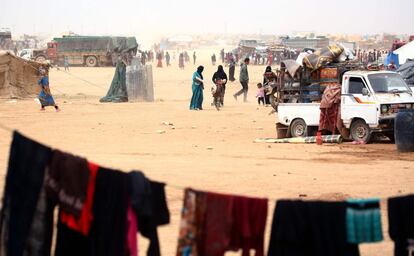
pixel 388 82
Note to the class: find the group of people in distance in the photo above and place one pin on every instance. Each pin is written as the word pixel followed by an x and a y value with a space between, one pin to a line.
pixel 219 86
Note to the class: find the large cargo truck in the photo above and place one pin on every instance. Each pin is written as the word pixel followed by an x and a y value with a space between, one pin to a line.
pixel 90 51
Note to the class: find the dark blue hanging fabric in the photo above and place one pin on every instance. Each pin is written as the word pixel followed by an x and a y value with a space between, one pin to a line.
pixel 25 174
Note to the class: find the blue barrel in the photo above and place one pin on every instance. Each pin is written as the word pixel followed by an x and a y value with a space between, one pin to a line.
pixel 404 130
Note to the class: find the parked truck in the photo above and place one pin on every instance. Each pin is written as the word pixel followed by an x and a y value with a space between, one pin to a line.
pixel 370 101
pixel 90 51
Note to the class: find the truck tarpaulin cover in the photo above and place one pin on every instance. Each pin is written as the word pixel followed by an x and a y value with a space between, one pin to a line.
pixel 18 77
pixel 102 43
pixel 407 71
pixel 322 57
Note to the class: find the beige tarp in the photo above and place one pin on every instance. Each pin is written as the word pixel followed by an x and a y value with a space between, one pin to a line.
pixel 18 77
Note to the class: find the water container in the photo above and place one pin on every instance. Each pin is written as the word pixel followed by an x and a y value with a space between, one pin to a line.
pixel 404 130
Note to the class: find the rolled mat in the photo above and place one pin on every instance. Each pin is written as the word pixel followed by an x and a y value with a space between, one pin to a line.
pixel 298 140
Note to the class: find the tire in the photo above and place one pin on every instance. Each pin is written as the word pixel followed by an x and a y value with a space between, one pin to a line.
pixel 298 128
pixel 40 58
pixel 91 61
pixel 360 131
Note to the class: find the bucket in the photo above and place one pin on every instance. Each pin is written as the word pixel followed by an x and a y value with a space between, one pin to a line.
pixel 404 130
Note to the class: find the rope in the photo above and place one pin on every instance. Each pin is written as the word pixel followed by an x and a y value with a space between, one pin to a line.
pixel 79 78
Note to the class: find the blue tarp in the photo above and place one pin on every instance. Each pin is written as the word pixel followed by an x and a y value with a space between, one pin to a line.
pixel 392 57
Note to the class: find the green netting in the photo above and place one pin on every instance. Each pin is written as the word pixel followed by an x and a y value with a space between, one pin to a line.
pixel 117 91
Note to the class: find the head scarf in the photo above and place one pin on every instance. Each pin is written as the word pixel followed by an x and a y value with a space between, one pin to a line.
pixel 220 73
pixel 200 70
pixel 268 69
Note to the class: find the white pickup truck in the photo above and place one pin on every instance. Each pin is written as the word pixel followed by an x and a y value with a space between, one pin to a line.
pixel 369 103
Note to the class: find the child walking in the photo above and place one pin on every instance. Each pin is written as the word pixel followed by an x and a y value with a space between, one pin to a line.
pixel 260 94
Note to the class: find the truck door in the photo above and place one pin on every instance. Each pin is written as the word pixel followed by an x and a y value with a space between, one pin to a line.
pixel 356 104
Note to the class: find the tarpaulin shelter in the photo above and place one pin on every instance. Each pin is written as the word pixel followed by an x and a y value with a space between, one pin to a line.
pixel 405 52
pixel 392 58
pixel 407 71
pixel 18 77
pixel 118 91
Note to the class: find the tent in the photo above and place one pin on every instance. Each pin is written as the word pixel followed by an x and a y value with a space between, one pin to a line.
pixel 18 77
pixel 407 71
pixel 405 52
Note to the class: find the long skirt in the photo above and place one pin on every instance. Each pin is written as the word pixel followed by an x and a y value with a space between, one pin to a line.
pixel 197 98
pixel 46 99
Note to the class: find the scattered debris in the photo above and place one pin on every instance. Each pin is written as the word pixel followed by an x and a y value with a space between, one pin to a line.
pixel 210 148
pixel 160 131
pixel 167 123
pixel 303 195
pixel 11 101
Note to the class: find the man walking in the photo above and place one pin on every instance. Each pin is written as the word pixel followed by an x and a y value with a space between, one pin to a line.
pixel 244 80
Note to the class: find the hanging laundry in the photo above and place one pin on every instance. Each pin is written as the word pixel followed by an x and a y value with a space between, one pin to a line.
pixel 363 221
pixel 149 203
pixel 401 224
pixel 107 236
pixel 310 228
pixel 219 223
pixel 189 229
pixel 25 175
pixel 67 181
pixel 132 229
pixel 40 237
pixel 84 222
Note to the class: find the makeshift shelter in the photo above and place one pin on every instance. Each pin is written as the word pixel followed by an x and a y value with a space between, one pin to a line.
pixel 405 52
pixel 18 77
pixel 407 71
pixel 117 91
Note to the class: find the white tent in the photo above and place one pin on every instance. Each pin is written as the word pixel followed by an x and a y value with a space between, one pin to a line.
pixel 405 52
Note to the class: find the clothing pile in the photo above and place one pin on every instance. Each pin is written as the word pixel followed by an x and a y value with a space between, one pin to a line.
pixel 100 210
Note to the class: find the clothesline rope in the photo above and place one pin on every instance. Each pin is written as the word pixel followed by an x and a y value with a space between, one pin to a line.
pixel 82 79
pixel 182 188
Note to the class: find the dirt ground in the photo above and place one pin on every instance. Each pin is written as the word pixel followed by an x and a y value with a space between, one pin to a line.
pixel 207 150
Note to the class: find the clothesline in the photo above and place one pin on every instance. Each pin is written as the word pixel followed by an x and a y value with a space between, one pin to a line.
pixel 182 188
pixel 82 79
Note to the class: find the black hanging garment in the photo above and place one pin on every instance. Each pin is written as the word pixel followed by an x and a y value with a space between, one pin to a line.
pixel 310 228
pixel 149 203
pixel 401 223
pixel 25 174
pixel 107 236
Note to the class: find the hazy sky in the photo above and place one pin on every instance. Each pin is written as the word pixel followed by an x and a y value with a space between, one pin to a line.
pixel 152 19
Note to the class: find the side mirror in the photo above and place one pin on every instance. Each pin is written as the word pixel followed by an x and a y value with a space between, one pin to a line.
pixel 365 92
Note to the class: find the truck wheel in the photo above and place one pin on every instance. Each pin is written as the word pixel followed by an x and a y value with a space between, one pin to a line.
pixel 360 131
pixel 91 61
pixel 40 58
pixel 298 128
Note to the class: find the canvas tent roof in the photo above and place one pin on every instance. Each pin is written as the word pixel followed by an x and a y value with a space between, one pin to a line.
pixel 18 77
pixel 405 52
